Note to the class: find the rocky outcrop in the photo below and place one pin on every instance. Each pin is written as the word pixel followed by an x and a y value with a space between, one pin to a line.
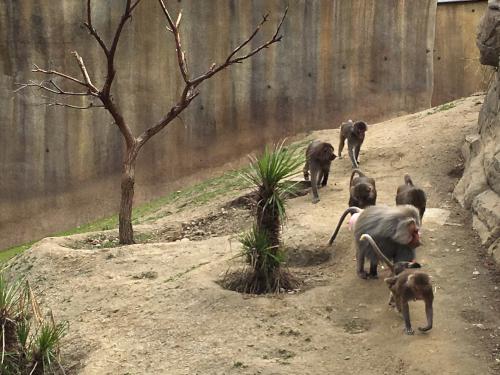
pixel 479 188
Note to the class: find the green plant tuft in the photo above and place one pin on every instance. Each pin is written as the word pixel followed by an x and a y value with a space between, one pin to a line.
pixel 258 251
pixel 29 344
pixel 270 174
pixel 45 345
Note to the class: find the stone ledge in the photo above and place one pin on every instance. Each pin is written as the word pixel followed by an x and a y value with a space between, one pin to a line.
pixel 472 183
pixel 486 219
pixel 494 250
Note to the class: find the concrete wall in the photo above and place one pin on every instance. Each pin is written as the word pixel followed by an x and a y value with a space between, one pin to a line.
pixel 457 71
pixel 360 59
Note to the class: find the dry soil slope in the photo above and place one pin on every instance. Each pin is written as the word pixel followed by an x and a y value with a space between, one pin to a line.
pixel 181 322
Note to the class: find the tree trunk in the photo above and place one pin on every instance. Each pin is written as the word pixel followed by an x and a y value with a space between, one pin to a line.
pixel 268 219
pixel 126 233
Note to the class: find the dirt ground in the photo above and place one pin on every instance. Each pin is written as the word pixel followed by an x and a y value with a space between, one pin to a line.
pixel 156 308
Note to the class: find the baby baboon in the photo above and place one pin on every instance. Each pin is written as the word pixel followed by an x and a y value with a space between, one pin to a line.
pixel 410 194
pixel 362 190
pixel 395 229
pixel 406 284
pixel 319 157
pixel 355 135
pixel 411 285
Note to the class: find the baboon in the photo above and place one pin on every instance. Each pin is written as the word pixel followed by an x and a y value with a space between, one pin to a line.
pixel 355 135
pixel 362 190
pixel 410 194
pixel 395 268
pixel 319 157
pixel 411 285
pixel 395 229
pixel 406 284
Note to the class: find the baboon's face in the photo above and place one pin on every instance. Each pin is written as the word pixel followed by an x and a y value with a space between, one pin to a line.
pixel 360 128
pixel 329 153
pixel 364 191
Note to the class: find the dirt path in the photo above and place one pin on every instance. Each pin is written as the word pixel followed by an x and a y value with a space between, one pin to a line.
pixel 157 309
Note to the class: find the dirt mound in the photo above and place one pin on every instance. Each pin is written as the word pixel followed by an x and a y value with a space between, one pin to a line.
pixel 215 224
pixel 156 307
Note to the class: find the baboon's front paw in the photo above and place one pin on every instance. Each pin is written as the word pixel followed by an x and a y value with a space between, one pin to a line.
pixel 315 200
pixel 409 331
pixel 424 329
pixel 362 275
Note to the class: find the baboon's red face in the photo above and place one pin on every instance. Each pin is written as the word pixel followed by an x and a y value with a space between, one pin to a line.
pixel 414 232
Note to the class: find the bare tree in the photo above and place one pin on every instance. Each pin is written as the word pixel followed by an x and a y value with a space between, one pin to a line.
pixel 103 97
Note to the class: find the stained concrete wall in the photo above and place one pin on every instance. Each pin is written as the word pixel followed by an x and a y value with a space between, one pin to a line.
pixel 457 71
pixel 360 59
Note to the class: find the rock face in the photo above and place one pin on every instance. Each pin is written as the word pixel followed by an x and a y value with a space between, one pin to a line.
pixel 479 188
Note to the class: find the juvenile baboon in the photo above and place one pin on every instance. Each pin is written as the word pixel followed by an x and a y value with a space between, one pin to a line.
pixel 319 157
pixel 354 132
pixel 406 284
pixel 411 285
pixel 395 229
pixel 410 194
pixel 362 190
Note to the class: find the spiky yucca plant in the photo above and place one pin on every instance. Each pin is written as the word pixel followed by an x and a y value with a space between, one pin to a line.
pixel 45 345
pixel 10 296
pixel 270 175
pixel 264 261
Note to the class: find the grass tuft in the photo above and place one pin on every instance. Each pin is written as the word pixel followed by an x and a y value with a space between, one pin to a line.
pixel 29 344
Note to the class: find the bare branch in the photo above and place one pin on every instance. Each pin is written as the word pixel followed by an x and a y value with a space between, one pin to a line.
pixel 275 36
pixel 115 112
pixel 174 29
pixel 126 15
pixel 264 19
pixel 132 7
pixel 172 114
pixel 36 69
pixel 189 93
pixel 178 22
pixel 93 31
pixel 234 60
pixel 55 89
pixel 85 74
pixel 89 106
pixel 112 50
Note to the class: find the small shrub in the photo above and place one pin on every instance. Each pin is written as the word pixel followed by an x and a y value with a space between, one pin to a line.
pixel 259 252
pixel 29 344
pixel 45 345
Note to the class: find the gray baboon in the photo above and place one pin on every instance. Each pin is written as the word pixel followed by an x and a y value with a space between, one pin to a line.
pixel 319 157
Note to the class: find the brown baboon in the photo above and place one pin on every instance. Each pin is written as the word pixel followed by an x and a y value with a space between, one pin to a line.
pixel 362 190
pixel 406 284
pixel 412 285
pixel 396 230
pixel 354 132
pixel 410 194
pixel 319 157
